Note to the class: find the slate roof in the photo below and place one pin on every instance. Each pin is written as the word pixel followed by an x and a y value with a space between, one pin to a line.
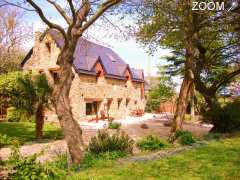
pixel 88 53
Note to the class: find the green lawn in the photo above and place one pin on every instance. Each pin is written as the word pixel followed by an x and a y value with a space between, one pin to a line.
pixel 218 160
pixel 25 131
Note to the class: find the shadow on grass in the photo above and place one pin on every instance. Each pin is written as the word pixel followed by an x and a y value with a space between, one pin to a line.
pixel 25 131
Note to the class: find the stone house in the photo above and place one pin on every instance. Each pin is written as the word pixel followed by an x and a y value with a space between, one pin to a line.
pixel 104 85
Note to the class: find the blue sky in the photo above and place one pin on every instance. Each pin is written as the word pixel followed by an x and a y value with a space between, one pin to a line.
pixel 132 52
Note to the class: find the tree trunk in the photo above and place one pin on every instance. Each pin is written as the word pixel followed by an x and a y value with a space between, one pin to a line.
pixel 186 86
pixel 192 103
pixel 61 102
pixel 182 103
pixel 39 122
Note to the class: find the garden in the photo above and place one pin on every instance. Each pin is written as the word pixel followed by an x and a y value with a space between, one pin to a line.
pixel 191 125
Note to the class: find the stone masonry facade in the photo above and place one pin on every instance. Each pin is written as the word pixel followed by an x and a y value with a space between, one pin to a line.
pixel 90 95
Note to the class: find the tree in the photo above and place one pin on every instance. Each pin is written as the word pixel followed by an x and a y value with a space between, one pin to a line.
pixel 174 26
pixel 13 33
pixel 33 97
pixel 82 15
pixel 218 60
pixel 201 43
pixel 28 94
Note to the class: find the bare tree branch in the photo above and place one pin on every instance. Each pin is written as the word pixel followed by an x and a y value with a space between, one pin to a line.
pixel 100 11
pixel 61 11
pixel 82 13
pixel 7 3
pixel 46 21
pixel 224 80
pixel 72 10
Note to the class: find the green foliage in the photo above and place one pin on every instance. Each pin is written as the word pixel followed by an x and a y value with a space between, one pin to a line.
pixel 5 140
pixel 27 168
pixel 16 115
pixel 215 160
pixel 61 161
pixel 114 125
pixel 162 92
pixel 200 104
pixel 8 82
pixel 185 137
pixel 34 91
pixel 226 118
pixel 104 142
pixel 92 160
pixel 151 143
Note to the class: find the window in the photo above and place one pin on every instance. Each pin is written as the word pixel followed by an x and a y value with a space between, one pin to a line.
pixel 109 102
pixel 119 100
pixel 127 101
pixel 135 102
pixel 91 108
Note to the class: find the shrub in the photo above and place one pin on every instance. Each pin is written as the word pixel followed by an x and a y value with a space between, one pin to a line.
pixel 225 119
pixel 185 137
pixel 15 115
pixel 104 142
pixel 61 161
pixel 114 125
pixel 29 168
pixel 5 140
pixel 152 143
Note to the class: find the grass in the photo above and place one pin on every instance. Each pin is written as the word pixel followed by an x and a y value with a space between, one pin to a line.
pixel 217 160
pixel 25 131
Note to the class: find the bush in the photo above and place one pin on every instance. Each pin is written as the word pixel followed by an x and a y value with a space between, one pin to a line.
pixel 225 119
pixel 151 143
pixel 15 115
pixel 61 161
pixel 114 125
pixel 5 140
pixel 29 168
pixel 104 142
pixel 185 137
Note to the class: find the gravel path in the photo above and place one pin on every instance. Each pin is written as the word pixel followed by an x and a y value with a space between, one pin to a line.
pixel 134 130
pixel 51 149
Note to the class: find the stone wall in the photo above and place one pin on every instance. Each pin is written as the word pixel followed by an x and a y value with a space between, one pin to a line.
pixel 87 86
